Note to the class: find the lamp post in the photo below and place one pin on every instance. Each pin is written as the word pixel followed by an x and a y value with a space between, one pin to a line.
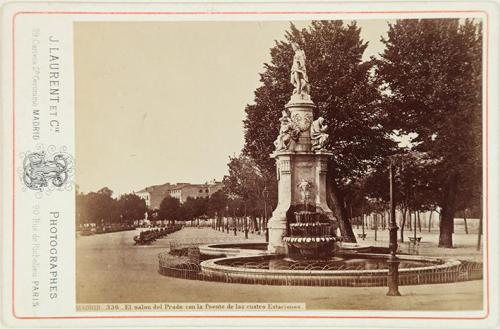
pixel 363 234
pixel 265 194
pixel 393 262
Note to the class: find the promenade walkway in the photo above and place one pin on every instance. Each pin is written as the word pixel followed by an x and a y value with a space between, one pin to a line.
pixel 110 269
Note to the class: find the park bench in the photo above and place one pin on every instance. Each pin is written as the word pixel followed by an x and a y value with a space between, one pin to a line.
pixel 415 240
pixel 143 240
pixel 147 237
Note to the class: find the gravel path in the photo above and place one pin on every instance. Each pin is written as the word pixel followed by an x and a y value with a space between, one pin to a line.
pixel 110 269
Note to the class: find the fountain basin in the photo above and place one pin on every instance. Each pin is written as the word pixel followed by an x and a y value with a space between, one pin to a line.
pixel 310 229
pixel 352 266
pixel 234 249
pixel 309 240
pixel 307 217
pixel 312 247
pixel 360 270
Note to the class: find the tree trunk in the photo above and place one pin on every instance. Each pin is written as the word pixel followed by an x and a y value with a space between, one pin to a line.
pixel 409 222
pixel 479 233
pixel 419 223
pixel 363 225
pixel 363 216
pixel 350 213
pixel 403 225
pixel 255 224
pixel 430 220
pixel 335 198
pixel 448 214
pixel 414 227
pixel 465 223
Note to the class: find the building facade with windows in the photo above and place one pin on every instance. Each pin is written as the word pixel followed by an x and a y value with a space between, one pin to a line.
pixel 153 195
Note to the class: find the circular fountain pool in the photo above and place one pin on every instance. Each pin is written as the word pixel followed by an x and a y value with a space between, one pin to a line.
pixel 332 264
pixel 342 270
pixel 352 266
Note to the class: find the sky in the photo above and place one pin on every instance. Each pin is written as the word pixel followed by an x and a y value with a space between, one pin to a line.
pixel 161 102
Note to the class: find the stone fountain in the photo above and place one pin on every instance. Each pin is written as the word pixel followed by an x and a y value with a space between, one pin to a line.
pixel 302 223
pixel 310 234
pixel 302 241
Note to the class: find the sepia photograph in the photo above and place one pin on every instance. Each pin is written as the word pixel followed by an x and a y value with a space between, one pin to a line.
pixel 280 165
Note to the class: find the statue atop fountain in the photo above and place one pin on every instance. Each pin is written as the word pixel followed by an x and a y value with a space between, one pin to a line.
pixel 302 223
pixel 298 75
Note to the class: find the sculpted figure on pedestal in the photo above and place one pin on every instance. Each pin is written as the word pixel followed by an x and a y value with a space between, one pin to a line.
pixel 298 75
pixel 288 132
pixel 319 136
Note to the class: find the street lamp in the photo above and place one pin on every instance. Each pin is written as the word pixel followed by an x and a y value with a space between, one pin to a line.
pixel 265 194
pixel 363 234
pixel 393 262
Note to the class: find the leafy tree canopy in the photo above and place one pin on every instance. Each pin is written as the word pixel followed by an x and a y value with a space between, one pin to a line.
pixel 343 89
pixel 430 73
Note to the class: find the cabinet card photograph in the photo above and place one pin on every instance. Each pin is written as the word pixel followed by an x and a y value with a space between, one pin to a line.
pixel 278 164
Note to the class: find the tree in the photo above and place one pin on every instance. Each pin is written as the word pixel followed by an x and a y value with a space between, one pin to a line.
pixel 82 210
pixel 345 95
pixel 431 73
pixel 170 209
pixel 414 183
pixel 217 203
pixel 97 207
pixel 131 207
pixel 195 207
pixel 246 181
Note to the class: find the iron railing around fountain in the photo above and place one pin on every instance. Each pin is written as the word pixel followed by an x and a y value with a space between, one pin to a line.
pixel 178 245
pixel 186 268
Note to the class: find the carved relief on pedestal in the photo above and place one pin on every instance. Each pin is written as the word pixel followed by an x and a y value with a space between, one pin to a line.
pixel 302 120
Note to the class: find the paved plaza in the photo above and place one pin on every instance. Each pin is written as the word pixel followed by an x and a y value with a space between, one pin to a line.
pixel 111 269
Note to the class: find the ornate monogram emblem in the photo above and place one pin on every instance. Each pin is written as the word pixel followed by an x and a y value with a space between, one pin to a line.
pixel 40 171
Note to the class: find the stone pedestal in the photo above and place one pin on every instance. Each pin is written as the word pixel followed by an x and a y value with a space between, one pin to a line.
pixel 294 165
pixel 301 115
pixel 292 168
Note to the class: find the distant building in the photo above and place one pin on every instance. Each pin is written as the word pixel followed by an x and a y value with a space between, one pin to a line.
pixel 153 195
pixel 184 191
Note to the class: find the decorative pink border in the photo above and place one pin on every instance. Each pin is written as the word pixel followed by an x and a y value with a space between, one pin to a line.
pixel 14 17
